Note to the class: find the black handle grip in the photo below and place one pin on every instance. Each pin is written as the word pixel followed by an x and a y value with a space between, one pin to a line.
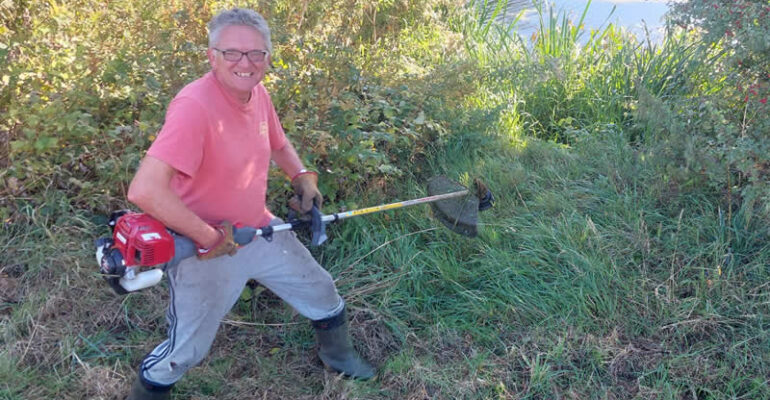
pixel 185 248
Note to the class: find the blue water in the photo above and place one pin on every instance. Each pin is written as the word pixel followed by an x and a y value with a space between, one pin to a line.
pixel 633 15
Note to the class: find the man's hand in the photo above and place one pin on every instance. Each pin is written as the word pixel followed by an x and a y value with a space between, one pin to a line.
pixel 225 244
pixel 305 186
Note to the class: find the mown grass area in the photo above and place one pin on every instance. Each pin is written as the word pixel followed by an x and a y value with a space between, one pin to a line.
pixel 614 264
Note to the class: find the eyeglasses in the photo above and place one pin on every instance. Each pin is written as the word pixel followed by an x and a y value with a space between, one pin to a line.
pixel 255 56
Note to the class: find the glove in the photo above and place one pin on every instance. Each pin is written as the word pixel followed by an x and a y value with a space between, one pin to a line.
pixel 225 245
pixel 306 191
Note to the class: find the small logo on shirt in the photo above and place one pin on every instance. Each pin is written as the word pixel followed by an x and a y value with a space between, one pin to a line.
pixel 263 128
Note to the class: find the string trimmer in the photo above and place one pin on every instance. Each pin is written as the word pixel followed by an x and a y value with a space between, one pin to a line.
pixel 140 246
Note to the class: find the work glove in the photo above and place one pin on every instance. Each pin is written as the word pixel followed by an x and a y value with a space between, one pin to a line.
pixel 225 245
pixel 306 191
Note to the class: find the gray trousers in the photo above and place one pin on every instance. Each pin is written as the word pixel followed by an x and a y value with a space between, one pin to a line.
pixel 203 292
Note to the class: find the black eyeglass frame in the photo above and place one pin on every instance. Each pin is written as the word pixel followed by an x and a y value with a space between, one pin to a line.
pixel 261 55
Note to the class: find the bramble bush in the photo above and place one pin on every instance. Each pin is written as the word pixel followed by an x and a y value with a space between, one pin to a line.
pixel 87 83
pixel 728 111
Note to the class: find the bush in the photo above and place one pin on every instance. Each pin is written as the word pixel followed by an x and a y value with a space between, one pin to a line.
pixel 86 85
pixel 728 110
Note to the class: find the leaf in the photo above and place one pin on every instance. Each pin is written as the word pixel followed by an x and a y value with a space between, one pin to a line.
pixel 79 183
pixel 45 143
pixel 420 118
pixel 19 145
pixel 389 112
pixel 390 170
pixel 152 83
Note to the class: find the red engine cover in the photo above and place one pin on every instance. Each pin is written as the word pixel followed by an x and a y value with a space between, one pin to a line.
pixel 143 240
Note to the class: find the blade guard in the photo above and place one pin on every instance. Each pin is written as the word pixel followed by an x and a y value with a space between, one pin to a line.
pixel 459 214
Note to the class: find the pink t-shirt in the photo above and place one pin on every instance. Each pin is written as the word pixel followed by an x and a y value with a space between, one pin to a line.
pixel 220 148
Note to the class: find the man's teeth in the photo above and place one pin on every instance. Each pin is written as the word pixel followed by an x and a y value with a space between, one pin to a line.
pixel 244 74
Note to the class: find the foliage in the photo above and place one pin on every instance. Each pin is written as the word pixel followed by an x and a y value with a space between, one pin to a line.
pixel 358 130
pixel 739 27
pixel 729 111
pixel 87 86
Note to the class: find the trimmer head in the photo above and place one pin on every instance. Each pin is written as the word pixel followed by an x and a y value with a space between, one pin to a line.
pixel 459 214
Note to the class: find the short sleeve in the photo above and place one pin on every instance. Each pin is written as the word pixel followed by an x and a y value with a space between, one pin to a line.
pixel 181 141
pixel 275 130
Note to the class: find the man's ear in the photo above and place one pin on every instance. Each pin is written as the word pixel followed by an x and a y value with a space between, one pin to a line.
pixel 211 54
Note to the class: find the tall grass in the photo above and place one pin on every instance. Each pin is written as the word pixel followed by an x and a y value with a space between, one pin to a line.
pixel 602 241
pixel 561 82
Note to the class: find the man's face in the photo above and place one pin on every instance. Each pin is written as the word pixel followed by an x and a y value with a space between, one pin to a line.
pixel 238 77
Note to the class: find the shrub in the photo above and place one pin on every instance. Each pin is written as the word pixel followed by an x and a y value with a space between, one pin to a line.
pixel 86 84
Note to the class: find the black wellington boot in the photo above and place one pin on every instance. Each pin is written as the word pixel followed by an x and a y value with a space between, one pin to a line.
pixel 336 349
pixel 141 390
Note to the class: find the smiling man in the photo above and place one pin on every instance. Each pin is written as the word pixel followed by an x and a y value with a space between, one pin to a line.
pixel 206 172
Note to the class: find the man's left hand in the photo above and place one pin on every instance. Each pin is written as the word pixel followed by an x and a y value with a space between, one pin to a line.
pixel 305 186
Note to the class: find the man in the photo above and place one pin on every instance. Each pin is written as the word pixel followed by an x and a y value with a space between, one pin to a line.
pixel 207 170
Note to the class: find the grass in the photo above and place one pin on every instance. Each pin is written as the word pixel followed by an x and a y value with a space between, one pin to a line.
pixel 599 274
pixel 580 285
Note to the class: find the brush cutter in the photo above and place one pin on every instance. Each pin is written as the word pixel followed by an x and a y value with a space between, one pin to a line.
pixel 134 257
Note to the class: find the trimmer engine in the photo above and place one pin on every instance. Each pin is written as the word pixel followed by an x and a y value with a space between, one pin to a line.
pixel 138 241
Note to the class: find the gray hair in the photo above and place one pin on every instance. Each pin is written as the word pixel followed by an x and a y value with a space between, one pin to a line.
pixel 239 17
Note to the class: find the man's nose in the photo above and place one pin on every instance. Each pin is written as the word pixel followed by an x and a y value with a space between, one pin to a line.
pixel 245 60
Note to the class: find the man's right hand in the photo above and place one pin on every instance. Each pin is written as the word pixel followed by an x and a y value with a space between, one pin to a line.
pixel 224 245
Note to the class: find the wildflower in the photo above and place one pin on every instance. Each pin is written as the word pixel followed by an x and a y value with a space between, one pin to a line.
pixel 763 101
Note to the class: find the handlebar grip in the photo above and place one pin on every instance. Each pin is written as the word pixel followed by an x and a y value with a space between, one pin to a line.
pixel 244 236
pixel 185 248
